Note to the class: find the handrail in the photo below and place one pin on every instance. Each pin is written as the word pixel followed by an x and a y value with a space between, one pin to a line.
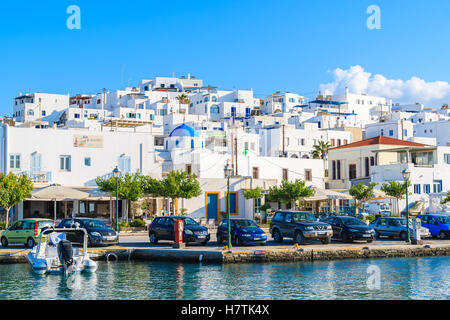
pixel 48 230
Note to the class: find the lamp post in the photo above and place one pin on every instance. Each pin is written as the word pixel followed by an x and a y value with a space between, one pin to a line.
pixel 228 173
pixel 116 173
pixel 406 175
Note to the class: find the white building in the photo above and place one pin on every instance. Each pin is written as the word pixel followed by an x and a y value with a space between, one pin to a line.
pixel 39 107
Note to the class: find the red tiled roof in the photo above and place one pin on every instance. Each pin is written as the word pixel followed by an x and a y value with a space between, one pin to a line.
pixel 381 140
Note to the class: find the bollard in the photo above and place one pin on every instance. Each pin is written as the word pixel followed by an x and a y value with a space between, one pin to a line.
pixel 178 235
pixel 417 225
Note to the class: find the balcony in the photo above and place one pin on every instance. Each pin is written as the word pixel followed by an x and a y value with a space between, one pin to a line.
pixel 39 177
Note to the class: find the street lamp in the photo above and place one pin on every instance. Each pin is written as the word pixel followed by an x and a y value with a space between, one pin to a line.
pixel 228 173
pixel 116 173
pixel 406 175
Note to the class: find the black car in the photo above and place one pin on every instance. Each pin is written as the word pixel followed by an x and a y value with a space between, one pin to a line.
pixel 98 232
pixel 348 229
pixel 163 228
pixel 300 226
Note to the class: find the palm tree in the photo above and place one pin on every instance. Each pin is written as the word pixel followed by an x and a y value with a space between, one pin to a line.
pixel 320 152
pixel 183 99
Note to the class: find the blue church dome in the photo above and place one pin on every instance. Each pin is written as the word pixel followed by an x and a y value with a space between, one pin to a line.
pixel 184 131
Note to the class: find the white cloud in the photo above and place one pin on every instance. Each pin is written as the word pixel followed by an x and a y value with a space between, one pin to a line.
pixel 410 91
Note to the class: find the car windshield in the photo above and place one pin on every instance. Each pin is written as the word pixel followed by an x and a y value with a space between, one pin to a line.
pixel 245 224
pixel 189 222
pixel 302 216
pixel 94 224
pixel 443 219
pixel 350 221
pixel 44 224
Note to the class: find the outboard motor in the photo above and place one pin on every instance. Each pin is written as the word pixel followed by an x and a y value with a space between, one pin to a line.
pixel 65 253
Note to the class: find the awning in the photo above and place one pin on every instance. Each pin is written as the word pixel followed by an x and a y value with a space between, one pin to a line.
pixel 324 194
pixel 377 195
pixel 58 193
pixel 417 207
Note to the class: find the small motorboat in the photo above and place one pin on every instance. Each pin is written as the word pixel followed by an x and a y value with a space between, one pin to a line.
pixel 55 255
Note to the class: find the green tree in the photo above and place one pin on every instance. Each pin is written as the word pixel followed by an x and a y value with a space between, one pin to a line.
pixel 446 198
pixel 183 99
pixel 14 189
pixel 289 192
pixel 395 189
pixel 130 188
pixel 320 150
pixel 361 193
pixel 255 193
pixel 180 184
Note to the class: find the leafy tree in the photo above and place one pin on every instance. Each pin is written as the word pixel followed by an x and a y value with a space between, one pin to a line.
pixel 130 187
pixel 179 184
pixel 396 189
pixel 255 193
pixel 183 99
pixel 14 189
pixel 361 193
pixel 446 199
pixel 320 150
pixel 290 192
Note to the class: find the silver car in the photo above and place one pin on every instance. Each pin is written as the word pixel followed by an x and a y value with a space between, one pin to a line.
pixel 395 228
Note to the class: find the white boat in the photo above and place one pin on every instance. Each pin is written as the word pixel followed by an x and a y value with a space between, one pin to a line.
pixel 44 257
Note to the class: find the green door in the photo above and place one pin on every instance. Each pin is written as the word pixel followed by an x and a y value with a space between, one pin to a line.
pixel 13 234
pixel 27 231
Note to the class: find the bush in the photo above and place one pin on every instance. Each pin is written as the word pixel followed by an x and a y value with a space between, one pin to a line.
pixel 370 219
pixel 137 223
pixel 2 225
pixel 123 224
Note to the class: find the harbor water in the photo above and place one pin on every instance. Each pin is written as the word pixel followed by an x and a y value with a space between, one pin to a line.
pixel 406 278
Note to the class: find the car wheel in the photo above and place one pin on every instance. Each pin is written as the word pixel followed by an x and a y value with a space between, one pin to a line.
pixel 403 235
pixel 326 240
pixel 30 243
pixel 4 242
pixel 204 243
pixel 153 238
pixel 277 236
pixel 370 241
pixel 299 238
pixel 442 235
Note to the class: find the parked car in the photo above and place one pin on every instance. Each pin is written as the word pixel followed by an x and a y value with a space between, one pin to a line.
pixel 438 224
pixel 395 227
pixel 99 234
pixel 243 231
pixel 300 226
pixel 163 228
pixel 25 232
pixel 347 229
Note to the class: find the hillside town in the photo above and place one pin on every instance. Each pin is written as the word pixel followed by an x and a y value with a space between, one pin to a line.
pixel 180 124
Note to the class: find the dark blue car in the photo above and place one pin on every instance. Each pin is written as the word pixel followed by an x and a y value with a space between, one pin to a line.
pixel 163 228
pixel 243 231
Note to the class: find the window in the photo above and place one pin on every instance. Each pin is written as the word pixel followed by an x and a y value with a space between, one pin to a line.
pixel 437 186
pixel 308 175
pixel 77 116
pixel 382 132
pixel 338 169
pixel 333 170
pixel 87 162
pixel 345 141
pixel 64 163
pixel 391 133
pixel 447 158
pixel 372 161
pixel 125 164
pixel 352 171
pixel 339 142
pixel 255 173
pixel 43 113
pixel 14 161
pixel 278 217
pixel 285 174
pixel 426 188
pixel 332 143
pixel 189 168
pixel 417 188
pixel 405 133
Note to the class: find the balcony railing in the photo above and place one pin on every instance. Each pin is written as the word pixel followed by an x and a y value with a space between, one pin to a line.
pixel 41 177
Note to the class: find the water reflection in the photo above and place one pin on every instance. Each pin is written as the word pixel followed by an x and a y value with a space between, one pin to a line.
pixel 412 278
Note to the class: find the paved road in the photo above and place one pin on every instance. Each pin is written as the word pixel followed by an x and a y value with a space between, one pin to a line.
pixel 141 240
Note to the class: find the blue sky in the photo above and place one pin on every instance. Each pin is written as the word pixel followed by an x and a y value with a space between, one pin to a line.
pixel 265 45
